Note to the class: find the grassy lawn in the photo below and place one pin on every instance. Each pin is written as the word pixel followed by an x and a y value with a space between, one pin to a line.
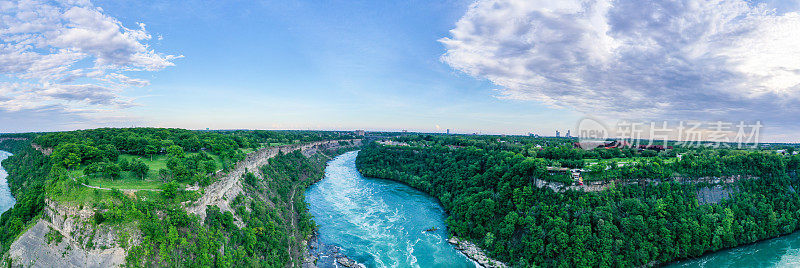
pixel 126 179
pixel 157 162
pixel 217 159
pixel 82 195
pixel 129 181
pixel 125 183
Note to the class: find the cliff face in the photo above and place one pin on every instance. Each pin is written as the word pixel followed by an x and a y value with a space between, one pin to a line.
pixel 68 237
pixel 222 192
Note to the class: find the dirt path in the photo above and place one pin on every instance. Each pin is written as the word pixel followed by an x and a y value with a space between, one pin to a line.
pixel 126 191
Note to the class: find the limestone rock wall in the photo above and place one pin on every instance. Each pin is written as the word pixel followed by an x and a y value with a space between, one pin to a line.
pixel 224 190
pixel 67 237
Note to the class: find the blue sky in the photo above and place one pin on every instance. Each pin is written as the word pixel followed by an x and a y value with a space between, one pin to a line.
pixel 360 65
pixel 489 66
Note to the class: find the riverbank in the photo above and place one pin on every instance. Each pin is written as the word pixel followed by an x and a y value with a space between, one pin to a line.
pixel 475 253
pixel 7 200
pixel 322 255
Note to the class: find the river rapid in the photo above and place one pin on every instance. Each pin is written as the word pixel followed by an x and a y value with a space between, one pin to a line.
pixel 7 201
pixel 379 223
pixel 783 251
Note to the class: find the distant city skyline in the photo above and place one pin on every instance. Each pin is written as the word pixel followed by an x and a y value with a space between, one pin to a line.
pixel 492 67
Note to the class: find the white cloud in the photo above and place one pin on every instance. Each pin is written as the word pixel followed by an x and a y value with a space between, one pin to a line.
pixel 70 55
pixel 691 59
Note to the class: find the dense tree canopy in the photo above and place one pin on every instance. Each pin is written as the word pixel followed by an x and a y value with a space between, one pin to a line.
pixel 171 237
pixel 489 193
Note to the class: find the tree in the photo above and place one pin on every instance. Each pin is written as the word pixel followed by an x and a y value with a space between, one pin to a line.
pixel 170 190
pixel 139 168
pixel 71 160
pixel 112 170
pixel 176 151
pixel 150 150
pixel 209 166
pixel 163 174
pixel 93 169
pixel 124 164
pixel 109 152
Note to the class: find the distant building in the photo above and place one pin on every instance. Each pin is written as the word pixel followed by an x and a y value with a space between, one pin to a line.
pixel 558 134
pixel 360 132
pixel 448 131
pixel 568 135
pixel 392 143
pixel 616 144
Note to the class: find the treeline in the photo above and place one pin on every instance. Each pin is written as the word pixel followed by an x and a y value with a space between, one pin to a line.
pixel 187 152
pixel 491 200
pixel 103 146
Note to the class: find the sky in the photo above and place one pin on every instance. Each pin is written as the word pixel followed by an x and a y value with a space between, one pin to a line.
pixel 495 67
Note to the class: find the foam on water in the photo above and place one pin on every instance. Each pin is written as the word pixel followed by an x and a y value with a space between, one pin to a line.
pixel 783 251
pixel 7 201
pixel 380 223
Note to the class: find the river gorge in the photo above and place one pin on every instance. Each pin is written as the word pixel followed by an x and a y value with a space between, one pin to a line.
pixel 382 223
pixel 379 223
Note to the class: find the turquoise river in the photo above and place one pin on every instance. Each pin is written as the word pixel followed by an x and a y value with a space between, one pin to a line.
pixel 6 199
pixel 380 223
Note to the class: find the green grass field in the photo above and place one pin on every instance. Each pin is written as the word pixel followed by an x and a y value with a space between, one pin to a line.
pixel 125 183
pixel 155 163
pixel 82 195
pixel 127 180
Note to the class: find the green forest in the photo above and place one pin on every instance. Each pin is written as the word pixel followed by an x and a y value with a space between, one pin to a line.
pixel 486 186
pixel 272 210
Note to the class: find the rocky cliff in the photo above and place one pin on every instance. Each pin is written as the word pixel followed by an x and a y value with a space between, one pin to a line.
pixel 67 236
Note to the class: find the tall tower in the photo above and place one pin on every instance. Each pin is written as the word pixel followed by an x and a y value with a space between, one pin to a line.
pixel 558 134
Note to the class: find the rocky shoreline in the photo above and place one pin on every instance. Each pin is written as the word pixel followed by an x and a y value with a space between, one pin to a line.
pixel 475 253
pixel 324 256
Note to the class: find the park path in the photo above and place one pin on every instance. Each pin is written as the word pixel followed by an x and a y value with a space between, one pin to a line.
pixel 126 191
